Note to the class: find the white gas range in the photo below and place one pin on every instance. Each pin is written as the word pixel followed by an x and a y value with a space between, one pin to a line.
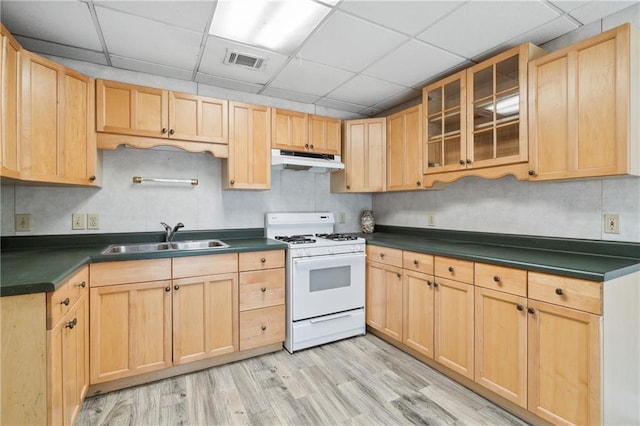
pixel 325 280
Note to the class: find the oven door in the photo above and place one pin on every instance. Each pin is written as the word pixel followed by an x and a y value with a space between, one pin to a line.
pixel 324 285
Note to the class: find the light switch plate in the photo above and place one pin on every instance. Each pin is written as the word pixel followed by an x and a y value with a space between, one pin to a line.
pixel 23 222
pixel 77 221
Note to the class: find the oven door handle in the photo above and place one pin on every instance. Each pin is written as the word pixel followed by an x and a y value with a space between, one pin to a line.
pixel 331 317
pixel 335 257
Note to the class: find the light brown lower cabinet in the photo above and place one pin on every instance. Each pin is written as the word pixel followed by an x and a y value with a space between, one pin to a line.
pixel 418 292
pixel 384 299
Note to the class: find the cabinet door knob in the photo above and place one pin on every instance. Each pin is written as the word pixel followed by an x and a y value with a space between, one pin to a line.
pixel 381 254
pixel 171 132
pixel 232 182
pixel 65 302
pixel 520 307
pixel 311 146
pixel 496 278
pixel 398 274
pixel 462 162
pixel 176 287
pixel 415 262
pixel 429 283
pixel 264 327
pixel 435 284
pixel 263 260
pixel 72 323
pixel 92 178
pixel 263 289
pixel 164 130
pixel 532 172
pixel 83 284
pixel 450 268
pixel 306 145
pixel 559 291
pixel 469 161
pixel 348 187
pixel 167 289
pixel 531 310
pixel 418 183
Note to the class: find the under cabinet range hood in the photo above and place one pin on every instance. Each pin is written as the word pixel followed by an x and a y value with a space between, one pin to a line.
pixel 307 161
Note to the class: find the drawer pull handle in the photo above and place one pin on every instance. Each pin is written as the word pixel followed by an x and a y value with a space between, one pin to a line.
pixel 167 289
pixel 450 268
pixel 520 307
pixel 415 262
pixel 263 289
pixel 83 284
pixel 559 291
pixel 72 323
pixel 429 283
pixel 263 260
pixel 264 327
pixel 496 279
pixel 65 302
pixel 176 287
pixel 381 254
pixel 531 310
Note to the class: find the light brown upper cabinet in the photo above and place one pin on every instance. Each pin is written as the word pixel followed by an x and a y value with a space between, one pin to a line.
pixel 364 157
pixel 404 150
pixel 325 135
pixel 9 104
pixel 57 137
pixel 584 108
pixel 154 117
pixel 477 119
pixel 297 131
pixel 249 162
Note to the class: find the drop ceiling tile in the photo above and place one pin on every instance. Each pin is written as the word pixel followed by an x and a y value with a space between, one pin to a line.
pixel 228 83
pixel 412 63
pixel 289 94
pixel 370 111
pixel 61 50
pixel 349 43
pixel 630 14
pixel 545 32
pixel 408 17
pixel 67 22
pixel 568 5
pixel 192 15
pixel 213 61
pixel 478 26
pixel 130 36
pixel 398 98
pixel 149 68
pixel 365 90
pixel 340 105
pixel 308 77
pixel 599 9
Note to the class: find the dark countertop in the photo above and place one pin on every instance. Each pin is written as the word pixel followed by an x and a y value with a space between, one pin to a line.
pixel 589 266
pixel 35 270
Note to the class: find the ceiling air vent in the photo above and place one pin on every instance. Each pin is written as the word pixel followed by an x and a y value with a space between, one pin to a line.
pixel 243 59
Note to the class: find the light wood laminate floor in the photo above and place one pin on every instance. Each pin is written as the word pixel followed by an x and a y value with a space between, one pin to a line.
pixel 358 381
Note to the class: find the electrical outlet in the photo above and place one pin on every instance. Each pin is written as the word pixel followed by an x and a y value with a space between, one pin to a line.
pixel 23 222
pixel 342 217
pixel 431 219
pixel 77 221
pixel 611 223
pixel 93 221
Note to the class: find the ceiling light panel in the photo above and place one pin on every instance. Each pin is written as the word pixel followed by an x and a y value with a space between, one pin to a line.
pixel 279 25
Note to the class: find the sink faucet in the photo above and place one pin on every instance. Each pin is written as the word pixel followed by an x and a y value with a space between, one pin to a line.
pixel 170 233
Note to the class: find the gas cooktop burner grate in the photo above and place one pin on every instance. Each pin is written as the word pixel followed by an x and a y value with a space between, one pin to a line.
pixel 337 237
pixel 296 239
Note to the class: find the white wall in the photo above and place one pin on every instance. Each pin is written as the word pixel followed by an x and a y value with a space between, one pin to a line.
pixel 127 207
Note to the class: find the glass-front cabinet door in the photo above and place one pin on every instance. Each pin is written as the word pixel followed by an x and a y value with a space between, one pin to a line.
pixel 497 132
pixel 445 135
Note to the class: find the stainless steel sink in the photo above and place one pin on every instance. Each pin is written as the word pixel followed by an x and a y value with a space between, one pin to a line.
pixel 156 247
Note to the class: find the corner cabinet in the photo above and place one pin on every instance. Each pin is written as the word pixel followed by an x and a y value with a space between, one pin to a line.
pixel 364 157
pixel 584 108
pixel 404 150
pixel 152 117
pixel 57 134
pixel 10 65
pixel 249 162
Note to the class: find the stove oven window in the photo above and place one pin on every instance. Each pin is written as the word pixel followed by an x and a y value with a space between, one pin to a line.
pixel 329 278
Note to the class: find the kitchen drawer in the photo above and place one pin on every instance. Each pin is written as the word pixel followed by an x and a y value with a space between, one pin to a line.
pixel 210 264
pixel 261 289
pixel 59 302
pixel 257 260
pixel 418 262
pixel 501 278
pixel 386 255
pixel 260 327
pixel 455 269
pixel 129 271
pixel 573 293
